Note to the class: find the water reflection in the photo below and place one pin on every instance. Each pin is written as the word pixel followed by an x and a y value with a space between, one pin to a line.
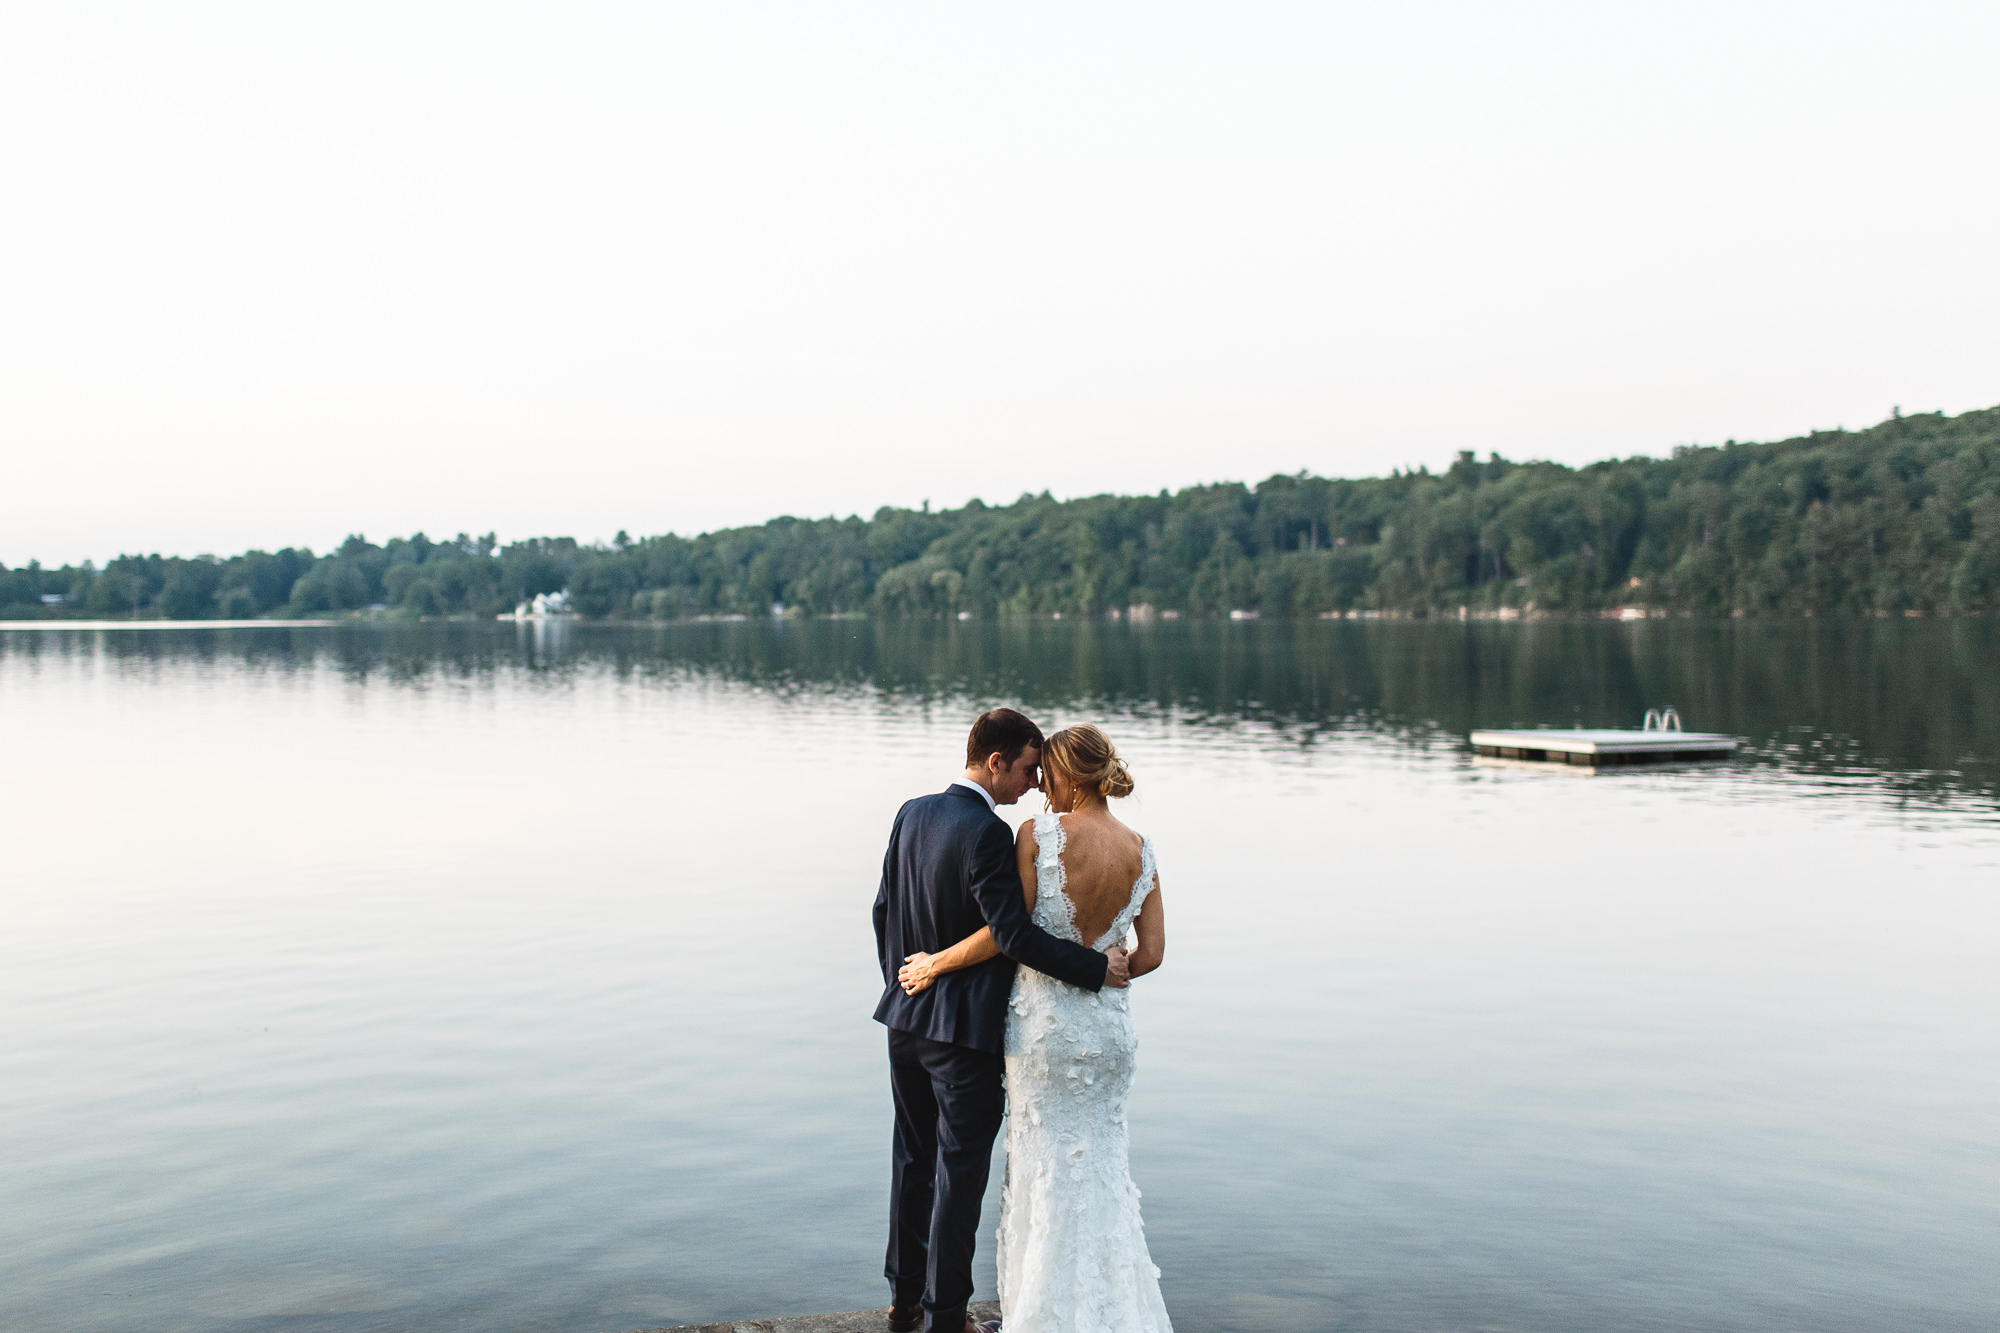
pixel 1912 702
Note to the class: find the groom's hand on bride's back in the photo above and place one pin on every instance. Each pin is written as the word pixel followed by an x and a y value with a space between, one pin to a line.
pixel 1119 974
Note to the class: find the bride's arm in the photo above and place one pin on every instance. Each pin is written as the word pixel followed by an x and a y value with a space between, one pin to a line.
pixel 919 970
pixel 1026 849
pixel 1152 928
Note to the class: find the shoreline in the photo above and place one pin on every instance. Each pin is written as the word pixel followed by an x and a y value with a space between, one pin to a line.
pixel 1462 615
pixel 172 624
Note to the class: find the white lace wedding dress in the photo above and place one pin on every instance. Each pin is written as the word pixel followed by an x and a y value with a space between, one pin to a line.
pixel 1072 1251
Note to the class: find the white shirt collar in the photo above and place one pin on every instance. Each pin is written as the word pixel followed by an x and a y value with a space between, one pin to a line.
pixel 984 794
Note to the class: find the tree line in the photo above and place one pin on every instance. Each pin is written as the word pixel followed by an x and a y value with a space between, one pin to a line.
pixel 1902 516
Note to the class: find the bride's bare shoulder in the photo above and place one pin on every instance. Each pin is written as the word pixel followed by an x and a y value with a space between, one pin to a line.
pixel 1129 835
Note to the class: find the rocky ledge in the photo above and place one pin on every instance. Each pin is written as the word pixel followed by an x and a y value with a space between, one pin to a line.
pixel 854 1321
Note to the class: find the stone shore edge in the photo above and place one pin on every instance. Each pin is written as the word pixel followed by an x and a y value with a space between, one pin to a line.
pixel 853 1321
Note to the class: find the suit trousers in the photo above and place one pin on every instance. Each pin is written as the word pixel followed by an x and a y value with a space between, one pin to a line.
pixel 949 1103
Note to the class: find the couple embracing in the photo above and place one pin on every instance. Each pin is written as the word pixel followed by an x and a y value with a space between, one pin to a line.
pixel 1050 1044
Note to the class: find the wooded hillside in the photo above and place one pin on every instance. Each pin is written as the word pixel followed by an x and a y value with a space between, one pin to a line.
pixel 1902 516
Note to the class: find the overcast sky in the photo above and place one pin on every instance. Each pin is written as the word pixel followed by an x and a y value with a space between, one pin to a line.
pixel 273 273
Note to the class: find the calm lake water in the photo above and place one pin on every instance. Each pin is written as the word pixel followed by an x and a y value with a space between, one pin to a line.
pixel 518 978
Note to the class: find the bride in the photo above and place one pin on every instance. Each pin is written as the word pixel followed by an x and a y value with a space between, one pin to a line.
pixel 1072 1253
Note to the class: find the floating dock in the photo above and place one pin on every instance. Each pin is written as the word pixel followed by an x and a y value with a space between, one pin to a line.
pixel 1604 749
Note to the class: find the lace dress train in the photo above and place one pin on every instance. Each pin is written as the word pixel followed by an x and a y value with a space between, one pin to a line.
pixel 1072 1251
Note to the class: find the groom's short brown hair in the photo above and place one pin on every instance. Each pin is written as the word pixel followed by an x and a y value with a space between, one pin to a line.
pixel 1002 731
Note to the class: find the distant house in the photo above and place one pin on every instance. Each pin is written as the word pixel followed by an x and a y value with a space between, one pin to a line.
pixel 544 606
pixel 54 598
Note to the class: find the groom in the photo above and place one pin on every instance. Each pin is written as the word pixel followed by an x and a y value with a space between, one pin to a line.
pixel 951 869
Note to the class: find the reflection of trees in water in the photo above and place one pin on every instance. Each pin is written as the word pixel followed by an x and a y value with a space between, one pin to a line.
pixel 1913 701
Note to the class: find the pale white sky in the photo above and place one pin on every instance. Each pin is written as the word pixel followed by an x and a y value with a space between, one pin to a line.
pixel 274 273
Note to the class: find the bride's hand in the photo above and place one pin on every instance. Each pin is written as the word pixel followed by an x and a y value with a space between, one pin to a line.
pixel 916 974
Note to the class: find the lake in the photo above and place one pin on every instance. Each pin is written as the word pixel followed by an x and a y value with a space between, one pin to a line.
pixel 513 977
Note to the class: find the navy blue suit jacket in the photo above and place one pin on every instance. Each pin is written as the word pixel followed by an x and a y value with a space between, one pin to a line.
pixel 950 869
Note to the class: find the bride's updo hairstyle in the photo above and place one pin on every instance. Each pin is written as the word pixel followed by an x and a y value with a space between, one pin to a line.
pixel 1088 760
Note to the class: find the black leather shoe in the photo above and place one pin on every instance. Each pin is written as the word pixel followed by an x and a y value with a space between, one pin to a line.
pixel 905 1319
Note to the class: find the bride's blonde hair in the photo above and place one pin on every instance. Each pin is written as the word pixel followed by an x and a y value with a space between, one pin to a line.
pixel 1088 760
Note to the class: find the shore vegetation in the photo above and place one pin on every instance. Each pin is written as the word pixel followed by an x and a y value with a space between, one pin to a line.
pixel 1903 517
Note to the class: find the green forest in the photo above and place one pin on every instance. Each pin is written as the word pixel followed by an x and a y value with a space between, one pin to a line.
pixel 1901 517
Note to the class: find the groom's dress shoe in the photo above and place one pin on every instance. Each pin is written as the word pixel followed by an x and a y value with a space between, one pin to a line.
pixel 905 1319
